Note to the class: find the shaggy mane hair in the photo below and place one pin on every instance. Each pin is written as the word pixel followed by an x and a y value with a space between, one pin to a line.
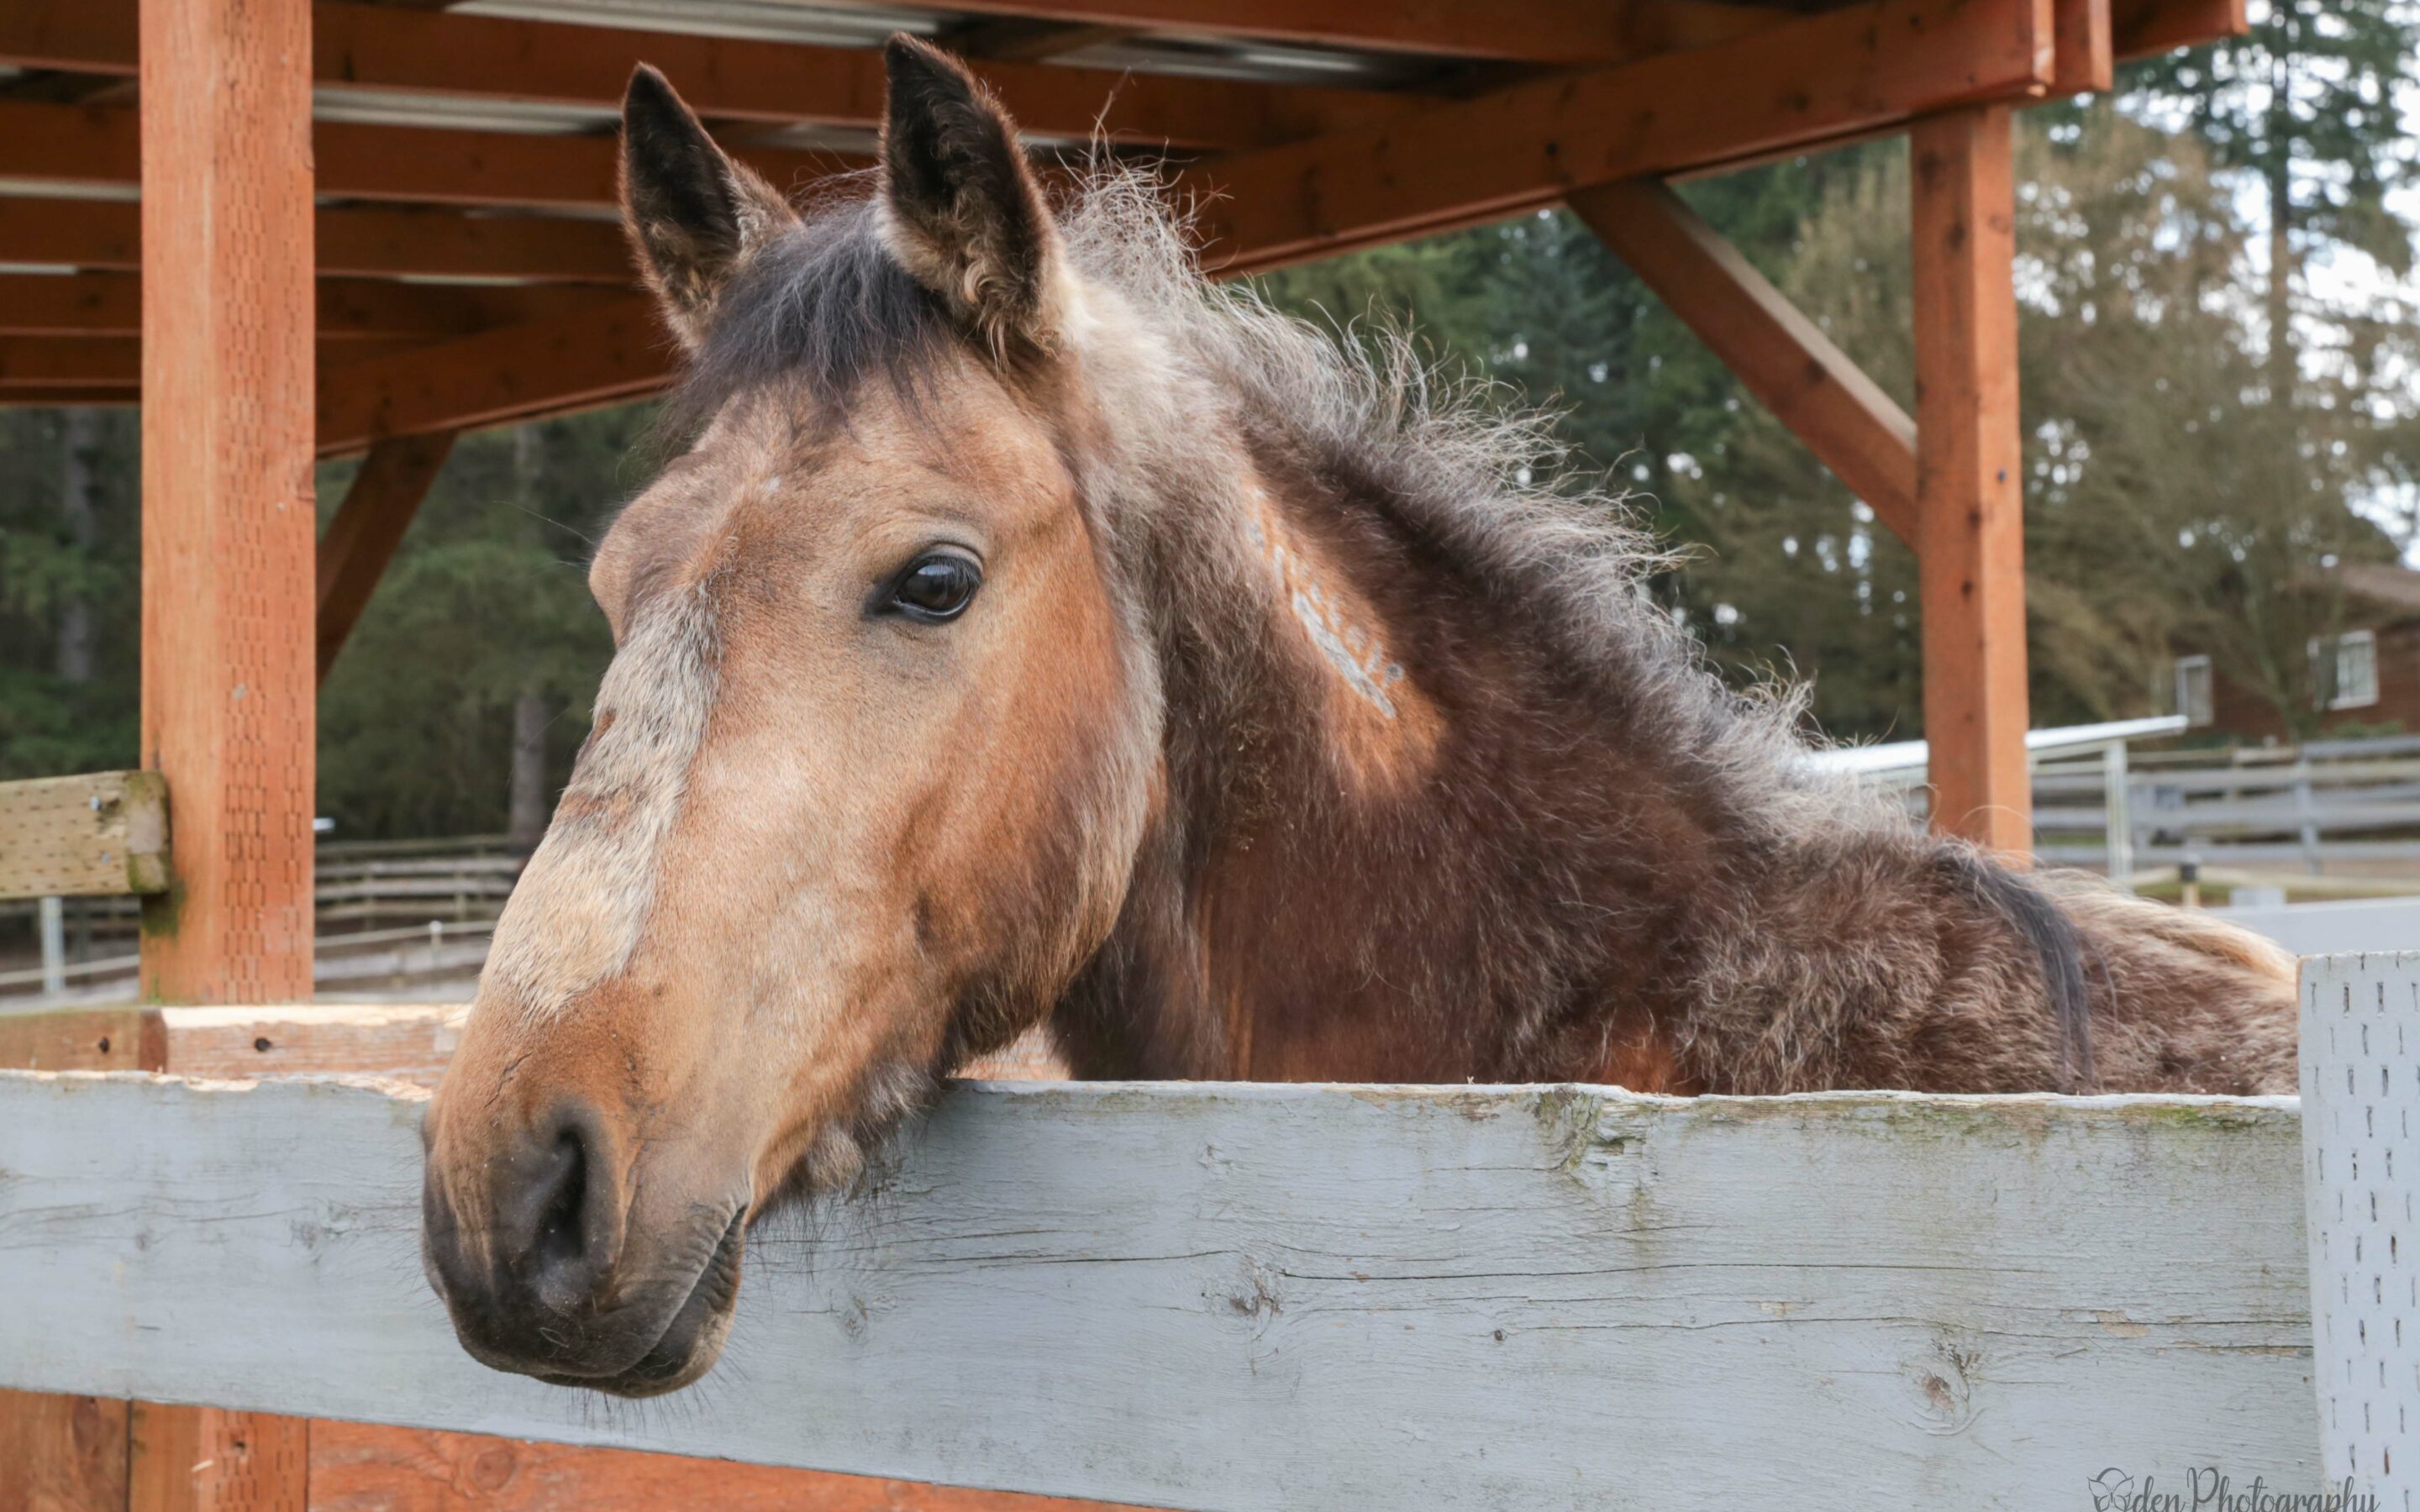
pixel 827 307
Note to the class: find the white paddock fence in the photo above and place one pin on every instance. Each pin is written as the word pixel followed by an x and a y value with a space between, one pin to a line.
pixel 1245 1297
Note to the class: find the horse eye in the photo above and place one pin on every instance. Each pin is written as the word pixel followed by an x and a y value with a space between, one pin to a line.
pixel 936 587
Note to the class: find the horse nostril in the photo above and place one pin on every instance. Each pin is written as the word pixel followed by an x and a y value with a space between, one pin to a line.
pixel 561 1198
pixel 554 1222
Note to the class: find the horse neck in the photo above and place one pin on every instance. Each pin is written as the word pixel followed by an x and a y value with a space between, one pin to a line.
pixel 1400 840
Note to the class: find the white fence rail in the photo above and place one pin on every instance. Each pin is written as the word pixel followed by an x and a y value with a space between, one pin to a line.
pixel 2324 805
pixel 1240 1296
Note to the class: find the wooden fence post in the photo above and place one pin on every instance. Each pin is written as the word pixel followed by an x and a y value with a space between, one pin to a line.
pixel 228 538
pixel 1970 494
pixel 227 520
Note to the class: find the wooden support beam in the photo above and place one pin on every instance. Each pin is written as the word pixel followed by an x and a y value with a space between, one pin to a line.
pixel 368 527
pixel 351 310
pixel 2087 59
pixel 424 1470
pixel 1970 494
pixel 602 355
pixel 67 362
pixel 95 146
pixel 1852 70
pixel 1782 357
pixel 392 48
pixel 42 398
pixel 61 1454
pixel 1536 31
pixel 99 835
pixel 209 1460
pixel 361 242
pixel 2145 28
pixel 227 520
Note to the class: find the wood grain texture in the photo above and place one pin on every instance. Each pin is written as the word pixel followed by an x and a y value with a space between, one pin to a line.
pixel 85 1039
pixel 365 242
pixel 1270 1297
pixel 368 525
pixel 402 49
pixel 98 835
pixel 363 1467
pixel 1970 495
pixel 399 1041
pixel 229 521
pixel 602 355
pixel 209 1460
pixel 1825 76
pixel 1782 357
pixel 61 1454
pixel 96 146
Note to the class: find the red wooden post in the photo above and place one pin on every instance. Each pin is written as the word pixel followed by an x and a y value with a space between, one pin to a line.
pixel 1970 535
pixel 229 685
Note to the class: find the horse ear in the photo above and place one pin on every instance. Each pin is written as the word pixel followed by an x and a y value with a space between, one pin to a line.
pixel 692 214
pixel 963 211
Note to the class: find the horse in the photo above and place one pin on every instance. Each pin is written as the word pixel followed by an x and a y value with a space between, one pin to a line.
pixel 1030 633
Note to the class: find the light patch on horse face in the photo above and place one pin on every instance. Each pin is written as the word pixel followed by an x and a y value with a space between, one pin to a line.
pixel 1386 729
pixel 576 915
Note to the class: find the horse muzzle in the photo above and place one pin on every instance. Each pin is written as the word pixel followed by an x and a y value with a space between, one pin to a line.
pixel 549 1269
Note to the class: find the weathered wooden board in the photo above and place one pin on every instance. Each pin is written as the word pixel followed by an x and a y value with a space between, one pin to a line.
pixel 81 837
pixel 1274 1297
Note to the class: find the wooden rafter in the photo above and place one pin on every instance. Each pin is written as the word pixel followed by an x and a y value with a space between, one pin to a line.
pixel 355 242
pixel 69 363
pixel 1852 69
pixel 390 48
pixel 2144 28
pixel 95 145
pixel 2086 58
pixel 609 352
pixel 1537 31
pixel 1783 358
pixel 351 309
pixel 368 527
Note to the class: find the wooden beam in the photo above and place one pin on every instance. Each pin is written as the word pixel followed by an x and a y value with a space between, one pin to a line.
pixel 2145 28
pixel 363 242
pixel 61 1454
pixel 90 146
pixel 1783 358
pixel 1970 493
pixel 44 397
pixel 228 523
pixel 393 49
pixel 208 1459
pixel 69 362
pixel 603 355
pixel 1516 148
pixel 2087 61
pixel 1536 31
pixel 422 1469
pixel 1197 1267
pixel 351 310
pixel 368 527
pixel 102 834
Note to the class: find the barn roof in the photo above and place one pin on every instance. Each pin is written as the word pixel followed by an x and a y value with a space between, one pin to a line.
pixel 471 274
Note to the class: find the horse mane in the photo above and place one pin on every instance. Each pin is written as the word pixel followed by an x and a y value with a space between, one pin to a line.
pixel 1486 484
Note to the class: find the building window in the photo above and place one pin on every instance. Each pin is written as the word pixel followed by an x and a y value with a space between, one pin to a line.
pixel 2192 691
pixel 2344 669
